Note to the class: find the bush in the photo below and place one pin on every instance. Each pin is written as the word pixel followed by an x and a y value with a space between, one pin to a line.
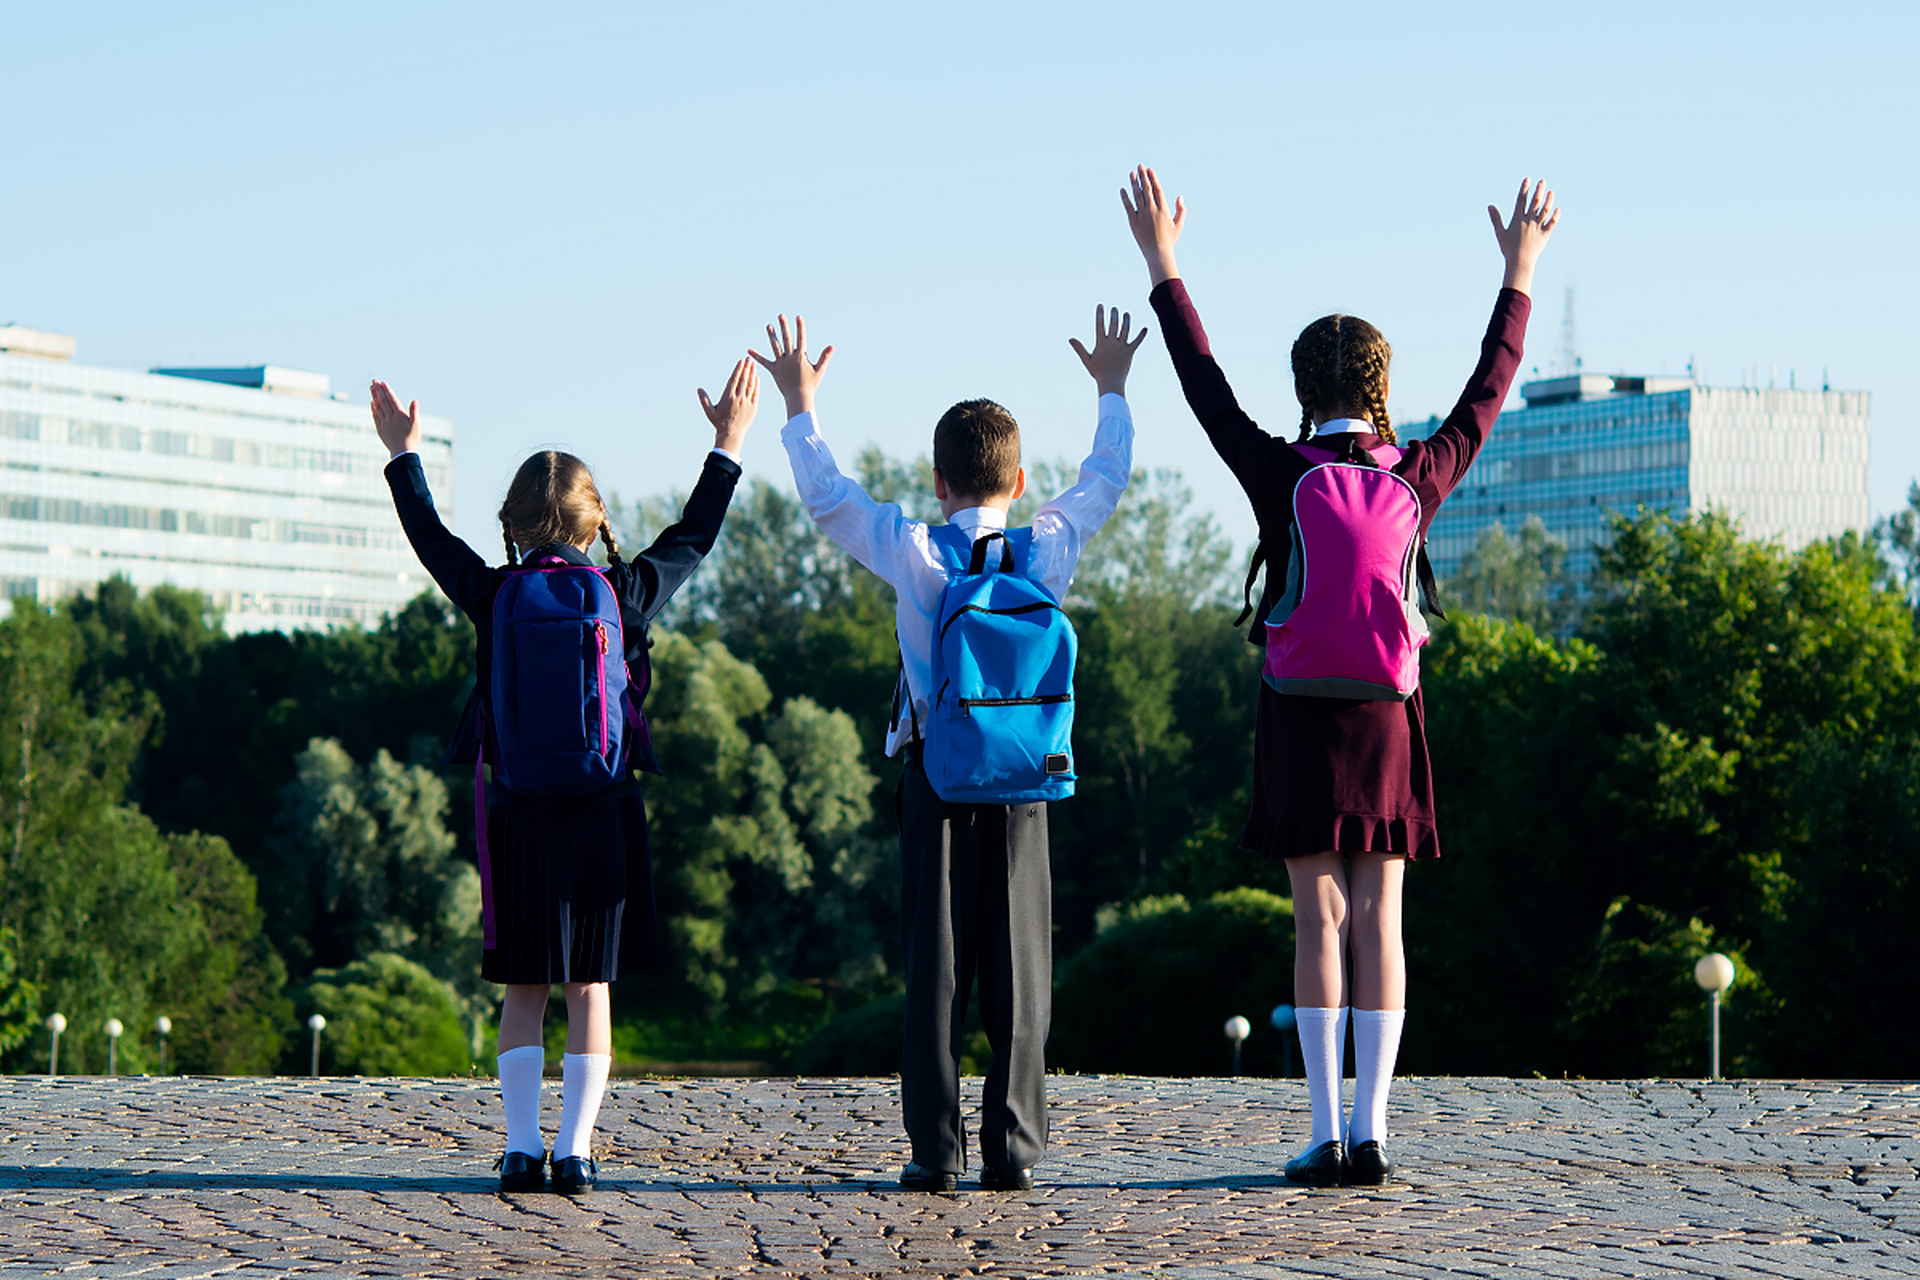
pixel 386 1016
pixel 1150 994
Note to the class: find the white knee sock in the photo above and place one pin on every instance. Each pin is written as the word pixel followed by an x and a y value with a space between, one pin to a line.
pixel 1376 1043
pixel 583 1082
pixel 1323 1050
pixel 520 1093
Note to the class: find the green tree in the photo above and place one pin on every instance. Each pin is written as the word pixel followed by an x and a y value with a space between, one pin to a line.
pixel 367 867
pixel 228 1001
pixel 386 1016
pixel 18 997
pixel 1152 991
pixel 765 870
pixel 1523 579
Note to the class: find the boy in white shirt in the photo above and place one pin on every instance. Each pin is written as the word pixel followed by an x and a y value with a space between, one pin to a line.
pixel 975 886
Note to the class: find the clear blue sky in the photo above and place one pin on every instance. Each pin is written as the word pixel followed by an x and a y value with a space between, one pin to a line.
pixel 553 222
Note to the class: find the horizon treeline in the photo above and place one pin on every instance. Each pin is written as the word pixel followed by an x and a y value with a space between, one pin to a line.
pixel 1712 745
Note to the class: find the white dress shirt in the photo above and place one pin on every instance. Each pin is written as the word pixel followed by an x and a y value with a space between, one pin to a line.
pixel 896 548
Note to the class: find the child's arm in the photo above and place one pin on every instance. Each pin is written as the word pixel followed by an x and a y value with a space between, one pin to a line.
pixel 878 536
pixel 1249 452
pixel 1442 460
pixel 664 567
pixel 467 580
pixel 1062 527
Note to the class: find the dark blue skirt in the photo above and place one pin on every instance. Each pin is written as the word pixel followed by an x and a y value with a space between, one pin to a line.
pixel 572 889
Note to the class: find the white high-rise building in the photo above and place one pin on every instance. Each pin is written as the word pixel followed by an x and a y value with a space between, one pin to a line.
pixel 252 486
pixel 1788 464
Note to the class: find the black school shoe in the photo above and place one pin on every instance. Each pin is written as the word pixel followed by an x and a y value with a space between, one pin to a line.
pixel 917 1177
pixel 522 1172
pixel 575 1175
pixel 993 1178
pixel 1369 1166
pixel 1324 1166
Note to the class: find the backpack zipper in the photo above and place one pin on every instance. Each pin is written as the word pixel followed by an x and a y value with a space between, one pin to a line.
pixel 967 705
pixel 600 662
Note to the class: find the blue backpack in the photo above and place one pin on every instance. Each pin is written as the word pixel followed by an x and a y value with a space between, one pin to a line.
pixel 1000 726
pixel 562 702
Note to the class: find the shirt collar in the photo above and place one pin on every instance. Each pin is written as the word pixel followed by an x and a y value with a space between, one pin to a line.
pixel 565 550
pixel 1341 426
pixel 974 519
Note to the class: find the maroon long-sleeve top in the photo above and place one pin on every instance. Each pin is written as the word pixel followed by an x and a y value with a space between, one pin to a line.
pixel 1332 773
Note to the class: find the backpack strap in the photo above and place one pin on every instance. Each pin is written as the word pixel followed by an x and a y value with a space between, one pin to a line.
pixel 978 564
pixel 1253 575
pixel 1429 587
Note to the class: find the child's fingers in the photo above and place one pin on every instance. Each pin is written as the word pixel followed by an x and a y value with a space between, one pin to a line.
pixel 800 334
pixel 762 359
pixel 1179 211
pixel 1079 350
pixel 413 412
pixel 820 365
pixel 1135 344
pixel 1520 201
pixel 706 405
pixel 1498 229
pixel 786 339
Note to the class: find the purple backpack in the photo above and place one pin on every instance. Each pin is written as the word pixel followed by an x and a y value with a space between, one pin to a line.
pixel 1348 624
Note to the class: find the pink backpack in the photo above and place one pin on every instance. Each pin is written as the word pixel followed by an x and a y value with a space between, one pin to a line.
pixel 1348 624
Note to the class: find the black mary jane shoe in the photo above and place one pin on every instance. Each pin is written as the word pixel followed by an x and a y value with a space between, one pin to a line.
pixel 1369 1166
pixel 994 1178
pixel 1324 1166
pixel 522 1172
pixel 575 1175
pixel 917 1177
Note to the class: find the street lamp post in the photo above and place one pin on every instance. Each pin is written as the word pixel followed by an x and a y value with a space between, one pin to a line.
pixel 113 1045
pixel 56 1023
pixel 163 1024
pixel 1714 973
pixel 1284 1022
pixel 316 1024
pixel 1237 1029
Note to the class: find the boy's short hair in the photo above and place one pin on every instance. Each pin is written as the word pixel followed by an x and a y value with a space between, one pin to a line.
pixel 976 446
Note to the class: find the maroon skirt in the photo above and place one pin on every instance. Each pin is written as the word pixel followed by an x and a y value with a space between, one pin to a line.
pixel 1331 774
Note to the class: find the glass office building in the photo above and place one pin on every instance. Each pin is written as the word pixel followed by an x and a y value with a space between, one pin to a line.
pixel 1787 464
pixel 253 486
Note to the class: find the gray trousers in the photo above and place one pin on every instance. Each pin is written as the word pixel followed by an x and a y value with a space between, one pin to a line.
pixel 976 896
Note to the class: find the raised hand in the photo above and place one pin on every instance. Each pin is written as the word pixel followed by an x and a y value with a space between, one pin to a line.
pixel 1112 354
pixel 1156 224
pixel 399 429
pixel 793 373
pixel 733 413
pixel 1522 239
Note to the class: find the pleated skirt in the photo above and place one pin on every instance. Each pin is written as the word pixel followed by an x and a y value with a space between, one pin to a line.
pixel 572 889
pixel 1338 775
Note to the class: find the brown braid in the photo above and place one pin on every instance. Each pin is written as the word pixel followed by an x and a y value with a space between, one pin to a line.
pixel 1340 370
pixel 552 500
pixel 613 548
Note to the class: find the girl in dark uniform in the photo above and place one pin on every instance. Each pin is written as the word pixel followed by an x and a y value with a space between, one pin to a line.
pixel 568 879
pixel 1341 787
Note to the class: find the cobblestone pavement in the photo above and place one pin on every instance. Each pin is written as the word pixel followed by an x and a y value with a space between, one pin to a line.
pixel 1171 1178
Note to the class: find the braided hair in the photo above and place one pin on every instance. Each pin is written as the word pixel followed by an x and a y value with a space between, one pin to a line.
pixel 553 499
pixel 1340 369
